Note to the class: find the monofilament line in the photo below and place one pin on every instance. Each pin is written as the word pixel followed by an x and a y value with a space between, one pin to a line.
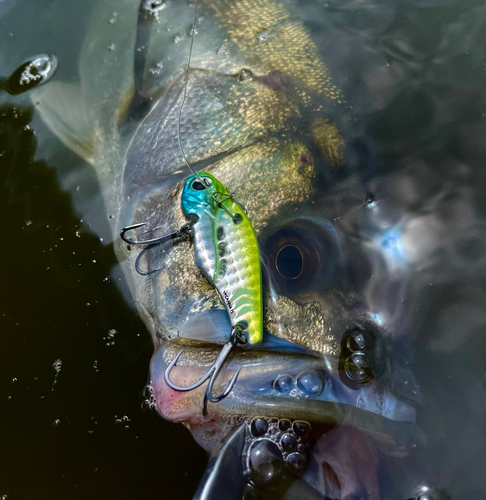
pixel 193 34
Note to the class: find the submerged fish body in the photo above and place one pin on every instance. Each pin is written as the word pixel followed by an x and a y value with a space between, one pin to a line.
pixel 263 117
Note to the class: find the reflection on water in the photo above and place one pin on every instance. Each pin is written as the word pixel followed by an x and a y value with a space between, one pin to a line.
pixel 75 356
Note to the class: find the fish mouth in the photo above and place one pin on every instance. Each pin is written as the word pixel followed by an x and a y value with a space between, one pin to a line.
pixel 279 388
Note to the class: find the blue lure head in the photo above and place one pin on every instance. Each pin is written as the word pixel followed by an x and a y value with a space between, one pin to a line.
pixel 198 193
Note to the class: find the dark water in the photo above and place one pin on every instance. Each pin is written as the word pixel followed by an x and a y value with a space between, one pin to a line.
pixel 74 428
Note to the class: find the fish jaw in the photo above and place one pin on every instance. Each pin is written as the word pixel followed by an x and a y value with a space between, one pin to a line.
pixel 275 383
pixel 299 401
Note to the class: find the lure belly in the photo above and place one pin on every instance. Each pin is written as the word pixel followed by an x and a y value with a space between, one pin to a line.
pixel 227 252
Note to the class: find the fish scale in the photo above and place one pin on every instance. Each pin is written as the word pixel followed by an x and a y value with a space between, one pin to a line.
pixel 227 253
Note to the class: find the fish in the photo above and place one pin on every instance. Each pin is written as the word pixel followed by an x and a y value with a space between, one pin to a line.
pixel 329 395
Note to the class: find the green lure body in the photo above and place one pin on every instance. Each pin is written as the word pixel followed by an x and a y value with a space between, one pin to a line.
pixel 226 251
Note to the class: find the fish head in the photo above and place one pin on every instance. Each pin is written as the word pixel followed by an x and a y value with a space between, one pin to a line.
pixel 257 115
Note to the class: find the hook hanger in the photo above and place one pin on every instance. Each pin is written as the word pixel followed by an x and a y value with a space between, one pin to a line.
pixel 237 337
pixel 237 218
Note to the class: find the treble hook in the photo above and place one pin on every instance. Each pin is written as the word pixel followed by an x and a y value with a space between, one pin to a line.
pixel 183 231
pixel 237 337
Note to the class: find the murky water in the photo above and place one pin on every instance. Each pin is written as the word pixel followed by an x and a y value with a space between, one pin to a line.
pixel 74 352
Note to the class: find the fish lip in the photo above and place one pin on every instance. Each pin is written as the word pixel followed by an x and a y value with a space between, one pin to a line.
pixel 247 400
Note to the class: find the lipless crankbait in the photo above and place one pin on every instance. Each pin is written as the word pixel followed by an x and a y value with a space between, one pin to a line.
pixel 227 252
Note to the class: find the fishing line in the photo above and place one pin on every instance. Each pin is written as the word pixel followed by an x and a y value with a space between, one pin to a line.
pixel 193 34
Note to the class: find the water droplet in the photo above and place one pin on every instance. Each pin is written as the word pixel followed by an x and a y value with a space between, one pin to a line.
pixel 264 36
pixel 245 75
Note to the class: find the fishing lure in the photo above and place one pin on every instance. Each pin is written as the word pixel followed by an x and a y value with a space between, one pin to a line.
pixel 227 252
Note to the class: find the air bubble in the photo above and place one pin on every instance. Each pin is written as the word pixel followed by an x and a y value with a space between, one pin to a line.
pixel 302 429
pixel 109 338
pixel 259 427
pixel 56 423
pixel 359 340
pixel 310 383
pixel 266 463
pixel 358 367
pixel 289 442
pixel 30 74
pixel 370 201
pixel 296 461
pixel 154 7
pixel 283 384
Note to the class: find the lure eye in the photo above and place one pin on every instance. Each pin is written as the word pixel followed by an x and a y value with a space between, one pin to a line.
pixel 198 186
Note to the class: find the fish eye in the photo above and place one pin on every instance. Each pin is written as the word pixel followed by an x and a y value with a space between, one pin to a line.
pixel 289 262
pixel 198 186
pixel 301 256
